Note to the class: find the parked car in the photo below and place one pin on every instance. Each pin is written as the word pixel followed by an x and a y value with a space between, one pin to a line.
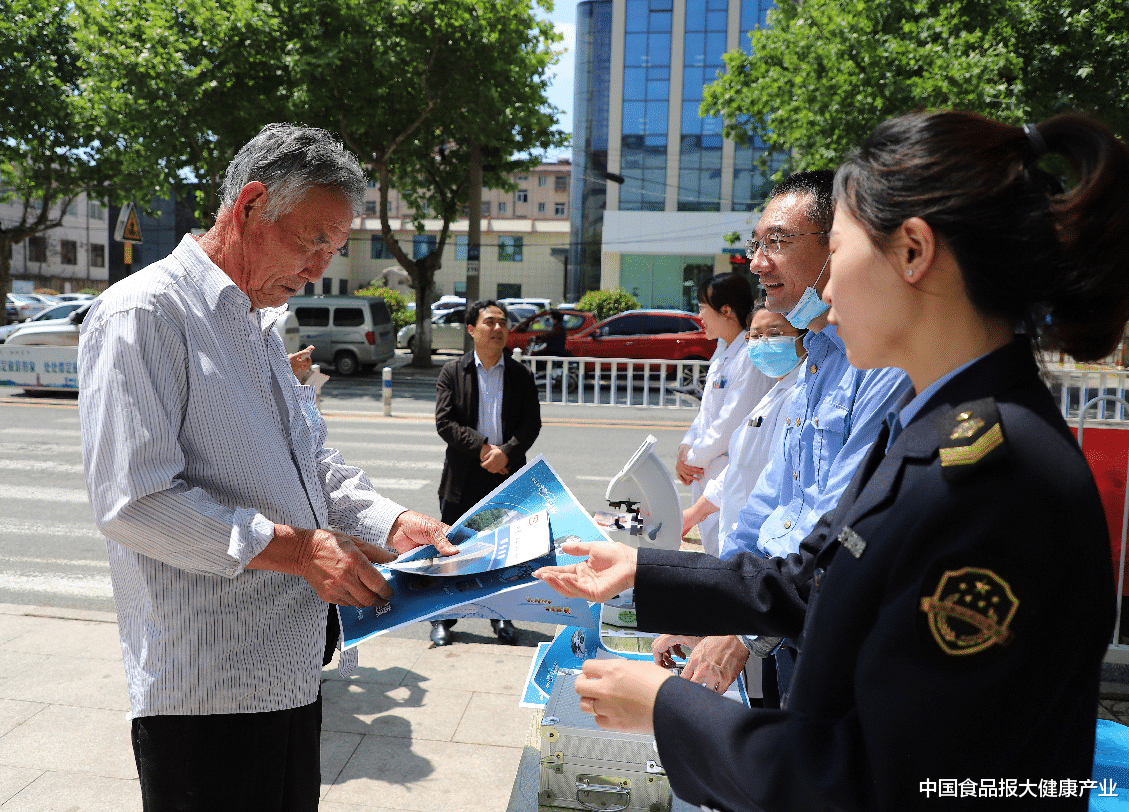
pixel 74 297
pixel 536 326
pixel 672 335
pixel 29 305
pixel 349 332
pixel 52 332
pixel 448 331
pixel 57 313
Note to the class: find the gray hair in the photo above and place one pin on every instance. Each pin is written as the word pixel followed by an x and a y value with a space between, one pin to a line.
pixel 290 160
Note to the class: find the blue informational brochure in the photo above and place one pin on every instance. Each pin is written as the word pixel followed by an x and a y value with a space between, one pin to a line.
pixel 508 591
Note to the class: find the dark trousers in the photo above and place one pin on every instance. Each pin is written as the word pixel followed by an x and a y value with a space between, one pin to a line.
pixel 242 762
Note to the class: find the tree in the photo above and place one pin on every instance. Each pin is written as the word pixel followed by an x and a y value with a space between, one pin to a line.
pixel 54 147
pixel 823 73
pixel 195 80
pixel 413 87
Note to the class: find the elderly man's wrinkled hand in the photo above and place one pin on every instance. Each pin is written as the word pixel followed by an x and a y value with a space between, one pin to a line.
pixel 715 662
pixel 411 530
pixel 340 569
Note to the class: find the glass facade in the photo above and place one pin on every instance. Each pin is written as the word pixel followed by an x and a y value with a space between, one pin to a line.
pixel 649 37
pixel 646 104
pixel 699 169
pixel 591 100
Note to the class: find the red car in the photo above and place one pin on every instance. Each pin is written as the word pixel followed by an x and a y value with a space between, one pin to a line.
pixel 672 335
pixel 536 326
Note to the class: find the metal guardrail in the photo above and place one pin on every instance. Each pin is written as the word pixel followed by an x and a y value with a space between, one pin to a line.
pixel 616 381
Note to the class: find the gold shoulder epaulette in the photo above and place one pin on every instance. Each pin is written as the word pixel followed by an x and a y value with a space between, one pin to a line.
pixel 969 436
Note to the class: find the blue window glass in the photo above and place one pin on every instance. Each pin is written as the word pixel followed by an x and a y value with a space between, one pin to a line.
pixel 715 47
pixel 380 249
pixel 634 117
pixel 423 244
pixel 656 117
pixel 717 21
pixel 658 48
pixel 636 15
pixel 693 80
pixel 461 243
pixel 718 5
pixel 634 83
pixel 712 126
pixel 695 53
pixel 634 49
pixel 695 15
pixel 662 5
pixel 691 121
pixel 658 89
pixel 658 72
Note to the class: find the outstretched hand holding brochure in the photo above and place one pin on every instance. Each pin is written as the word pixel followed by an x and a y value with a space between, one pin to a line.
pixel 502 540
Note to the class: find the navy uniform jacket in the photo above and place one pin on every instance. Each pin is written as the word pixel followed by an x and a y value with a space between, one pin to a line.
pixel 959 603
pixel 464 481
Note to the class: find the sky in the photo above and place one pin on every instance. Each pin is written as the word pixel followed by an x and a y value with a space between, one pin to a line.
pixel 563 18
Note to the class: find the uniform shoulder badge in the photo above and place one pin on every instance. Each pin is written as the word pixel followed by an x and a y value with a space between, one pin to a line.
pixel 969 436
pixel 969 610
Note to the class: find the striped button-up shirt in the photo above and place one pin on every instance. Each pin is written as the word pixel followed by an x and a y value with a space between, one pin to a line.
pixel 195 443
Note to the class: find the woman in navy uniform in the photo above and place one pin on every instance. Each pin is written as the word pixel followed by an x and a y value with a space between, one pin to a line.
pixel 954 609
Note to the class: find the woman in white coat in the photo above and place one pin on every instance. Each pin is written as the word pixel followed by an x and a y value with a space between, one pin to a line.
pixel 733 386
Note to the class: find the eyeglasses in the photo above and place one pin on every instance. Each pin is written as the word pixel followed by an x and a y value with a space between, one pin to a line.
pixel 772 243
pixel 771 332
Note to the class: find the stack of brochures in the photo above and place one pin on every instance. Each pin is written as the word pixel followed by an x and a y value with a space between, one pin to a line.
pixel 516 529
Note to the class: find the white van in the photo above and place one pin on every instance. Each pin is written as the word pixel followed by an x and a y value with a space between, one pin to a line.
pixel 348 332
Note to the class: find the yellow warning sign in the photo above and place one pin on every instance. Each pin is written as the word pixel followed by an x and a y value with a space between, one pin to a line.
pixel 128 227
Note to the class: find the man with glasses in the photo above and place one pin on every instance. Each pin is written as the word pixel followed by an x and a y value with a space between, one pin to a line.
pixel 833 418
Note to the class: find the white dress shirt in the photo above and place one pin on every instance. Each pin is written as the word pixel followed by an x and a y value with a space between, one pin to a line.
pixel 195 442
pixel 490 384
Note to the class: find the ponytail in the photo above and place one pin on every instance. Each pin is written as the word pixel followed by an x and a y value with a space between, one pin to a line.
pixel 1089 310
pixel 1051 263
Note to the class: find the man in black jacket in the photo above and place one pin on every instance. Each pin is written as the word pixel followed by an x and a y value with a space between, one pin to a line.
pixel 487 410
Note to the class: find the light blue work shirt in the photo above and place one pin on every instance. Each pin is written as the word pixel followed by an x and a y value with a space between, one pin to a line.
pixel 833 418
pixel 900 417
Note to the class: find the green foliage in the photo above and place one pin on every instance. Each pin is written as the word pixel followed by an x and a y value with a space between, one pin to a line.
pixel 186 84
pixel 605 303
pixel 823 73
pixel 397 304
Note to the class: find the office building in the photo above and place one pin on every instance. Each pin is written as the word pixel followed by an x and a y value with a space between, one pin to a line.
pixel 656 187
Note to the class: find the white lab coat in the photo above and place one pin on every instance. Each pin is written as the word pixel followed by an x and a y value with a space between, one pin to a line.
pixel 733 387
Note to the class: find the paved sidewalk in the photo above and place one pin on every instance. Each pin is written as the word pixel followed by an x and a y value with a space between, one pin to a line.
pixel 415 727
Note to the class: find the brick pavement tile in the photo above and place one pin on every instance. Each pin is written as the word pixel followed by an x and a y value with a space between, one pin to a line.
pixel 73 740
pixel 70 791
pixel 424 776
pixel 495 719
pixel 64 680
pixel 405 711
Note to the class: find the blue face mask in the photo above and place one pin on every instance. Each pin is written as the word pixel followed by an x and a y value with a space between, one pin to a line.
pixel 810 306
pixel 774 356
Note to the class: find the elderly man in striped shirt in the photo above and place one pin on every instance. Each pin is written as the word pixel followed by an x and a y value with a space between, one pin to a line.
pixel 230 526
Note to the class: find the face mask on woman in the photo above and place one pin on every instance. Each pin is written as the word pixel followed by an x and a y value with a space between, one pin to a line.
pixel 774 356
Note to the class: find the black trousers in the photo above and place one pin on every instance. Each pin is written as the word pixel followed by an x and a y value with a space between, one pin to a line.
pixel 243 762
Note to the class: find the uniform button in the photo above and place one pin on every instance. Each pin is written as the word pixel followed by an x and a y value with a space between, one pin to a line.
pixel 795 475
pixel 815 420
pixel 787 525
pixel 788 421
pixel 817 576
pixel 814 369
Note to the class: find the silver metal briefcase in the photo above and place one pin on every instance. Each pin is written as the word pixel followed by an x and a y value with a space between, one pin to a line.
pixel 584 767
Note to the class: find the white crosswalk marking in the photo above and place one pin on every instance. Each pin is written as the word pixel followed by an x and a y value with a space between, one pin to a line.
pixel 45 495
pixel 44 529
pixel 80 586
pixel 56 434
pixel 41 465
